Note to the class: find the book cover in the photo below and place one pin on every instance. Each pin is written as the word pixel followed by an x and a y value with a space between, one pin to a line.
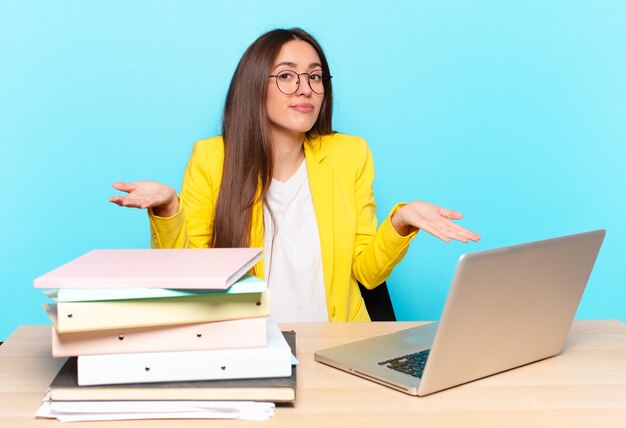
pixel 190 268
pixel 65 387
pixel 112 314
pixel 239 333
pixel 273 360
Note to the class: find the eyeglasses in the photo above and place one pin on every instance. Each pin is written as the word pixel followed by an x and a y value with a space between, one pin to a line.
pixel 288 81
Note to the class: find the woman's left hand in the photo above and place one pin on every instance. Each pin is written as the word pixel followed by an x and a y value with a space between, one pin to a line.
pixel 432 219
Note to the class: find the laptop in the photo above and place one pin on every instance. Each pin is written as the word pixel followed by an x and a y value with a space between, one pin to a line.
pixel 506 307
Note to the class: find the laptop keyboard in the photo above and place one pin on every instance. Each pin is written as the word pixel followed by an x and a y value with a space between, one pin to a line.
pixel 411 364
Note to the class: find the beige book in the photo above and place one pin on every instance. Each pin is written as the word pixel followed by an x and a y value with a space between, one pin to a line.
pixel 106 315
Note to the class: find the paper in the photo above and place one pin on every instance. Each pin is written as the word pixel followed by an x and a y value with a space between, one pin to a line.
pixel 76 411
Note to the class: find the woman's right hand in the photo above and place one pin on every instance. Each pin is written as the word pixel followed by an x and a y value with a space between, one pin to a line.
pixel 160 198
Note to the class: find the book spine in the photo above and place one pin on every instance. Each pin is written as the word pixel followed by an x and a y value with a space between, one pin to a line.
pixel 235 334
pixel 274 360
pixel 108 315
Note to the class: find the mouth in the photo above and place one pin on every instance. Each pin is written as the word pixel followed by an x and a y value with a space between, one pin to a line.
pixel 303 107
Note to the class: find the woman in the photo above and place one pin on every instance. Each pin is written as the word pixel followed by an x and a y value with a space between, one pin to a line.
pixel 281 179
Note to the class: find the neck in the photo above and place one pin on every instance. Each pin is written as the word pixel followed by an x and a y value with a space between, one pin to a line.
pixel 288 154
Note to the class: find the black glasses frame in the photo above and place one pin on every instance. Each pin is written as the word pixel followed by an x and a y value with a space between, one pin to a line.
pixel 308 79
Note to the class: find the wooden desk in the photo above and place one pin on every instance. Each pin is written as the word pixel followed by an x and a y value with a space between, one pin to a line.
pixel 584 386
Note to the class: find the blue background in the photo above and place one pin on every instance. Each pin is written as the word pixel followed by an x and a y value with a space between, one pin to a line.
pixel 512 112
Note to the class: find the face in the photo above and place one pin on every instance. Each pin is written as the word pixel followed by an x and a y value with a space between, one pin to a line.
pixel 294 114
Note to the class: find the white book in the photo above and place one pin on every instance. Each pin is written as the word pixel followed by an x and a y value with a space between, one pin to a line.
pixel 273 360
pixel 247 284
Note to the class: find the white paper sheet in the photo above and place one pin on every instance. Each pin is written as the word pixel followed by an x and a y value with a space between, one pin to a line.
pixel 75 411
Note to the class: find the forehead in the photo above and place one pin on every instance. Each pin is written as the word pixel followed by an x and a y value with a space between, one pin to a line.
pixel 298 53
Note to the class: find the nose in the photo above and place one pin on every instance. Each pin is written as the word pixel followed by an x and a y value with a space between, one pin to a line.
pixel 304 86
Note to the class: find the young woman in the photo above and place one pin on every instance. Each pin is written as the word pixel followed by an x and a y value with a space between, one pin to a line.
pixel 281 179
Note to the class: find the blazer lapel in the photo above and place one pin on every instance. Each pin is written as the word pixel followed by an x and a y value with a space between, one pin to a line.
pixel 321 184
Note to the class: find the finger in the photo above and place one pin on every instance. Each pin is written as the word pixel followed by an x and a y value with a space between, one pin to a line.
pixel 127 201
pixel 116 200
pixel 456 236
pixel 463 232
pixel 123 202
pixel 123 187
pixel 437 233
pixel 474 236
pixel 447 230
pixel 455 215
pixel 452 233
pixel 468 233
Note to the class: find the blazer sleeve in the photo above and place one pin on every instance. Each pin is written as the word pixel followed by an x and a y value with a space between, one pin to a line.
pixel 192 226
pixel 376 251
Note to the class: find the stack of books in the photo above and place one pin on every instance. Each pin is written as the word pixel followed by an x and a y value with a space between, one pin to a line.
pixel 166 325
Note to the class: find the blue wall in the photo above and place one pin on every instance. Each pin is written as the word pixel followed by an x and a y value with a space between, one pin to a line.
pixel 514 114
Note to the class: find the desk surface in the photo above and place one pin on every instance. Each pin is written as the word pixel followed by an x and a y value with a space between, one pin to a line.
pixel 584 386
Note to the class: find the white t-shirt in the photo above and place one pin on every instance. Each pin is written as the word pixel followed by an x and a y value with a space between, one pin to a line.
pixel 293 256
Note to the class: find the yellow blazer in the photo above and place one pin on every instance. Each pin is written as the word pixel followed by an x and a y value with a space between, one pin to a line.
pixel 341 175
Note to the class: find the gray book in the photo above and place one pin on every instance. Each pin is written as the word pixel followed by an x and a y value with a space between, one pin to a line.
pixel 64 387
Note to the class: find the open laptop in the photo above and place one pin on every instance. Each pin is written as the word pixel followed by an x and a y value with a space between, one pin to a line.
pixel 506 307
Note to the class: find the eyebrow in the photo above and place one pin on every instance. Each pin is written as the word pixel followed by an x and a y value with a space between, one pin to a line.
pixel 293 64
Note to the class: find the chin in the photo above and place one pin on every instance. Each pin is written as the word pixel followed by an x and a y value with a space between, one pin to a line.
pixel 295 126
pixel 299 129
pixel 304 127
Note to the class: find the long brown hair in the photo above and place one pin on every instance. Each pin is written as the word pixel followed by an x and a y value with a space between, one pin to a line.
pixel 248 153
